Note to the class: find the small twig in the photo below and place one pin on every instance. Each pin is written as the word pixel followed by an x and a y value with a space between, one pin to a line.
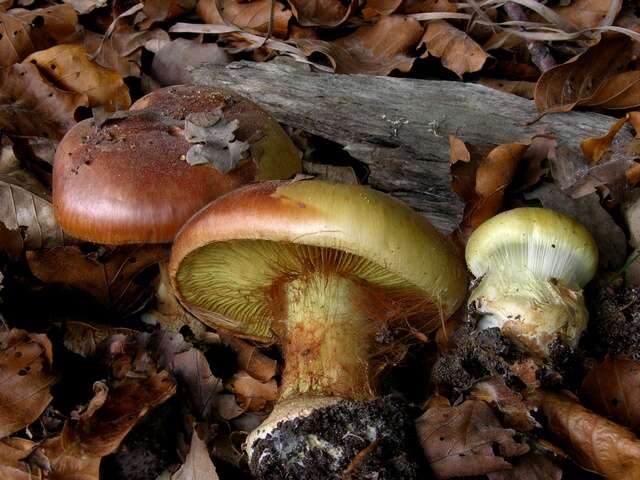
pixel 270 30
pixel 359 458
pixel 540 53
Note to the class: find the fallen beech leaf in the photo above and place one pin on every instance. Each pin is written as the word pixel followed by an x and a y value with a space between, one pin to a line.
pixel 595 148
pixel 587 13
pixel 533 163
pixel 466 440
pixel 322 13
pixel 83 338
pixel 596 443
pixel 13 451
pixel 109 278
pixel 428 6
pixel 254 16
pixel 380 7
pixel 26 210
pixel 190 367
pixel 198 464
pixel 250 359
pixel 25 376
pixel 25 31
pixel 459 151
pixel 70 67
pixel 169 66
pixel 82 7
pixel 576 81
pixel 457 50
pixel 532 466
pixel 31 106
pixel 67 464
pixel 612 388
pixel 620 91
pixel 113 412
pixel 516 87
pixel 374 50
pixel 515 410
pixel 245 385
pixel 161 10
pixel 207 10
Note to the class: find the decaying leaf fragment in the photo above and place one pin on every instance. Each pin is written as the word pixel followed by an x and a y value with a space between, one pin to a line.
pixel 254 16
pixel 25 376
pixel 322 13
pixel 250 359
pixel 587 13
pixel 595 148
pixel 612 388
pixel 516 411
pixel 198 464
pixel 466 440
pixel 371 50
pixel 215 141
pixel 70 67
pixel 457 50
pixel 596 443
pixel 13 452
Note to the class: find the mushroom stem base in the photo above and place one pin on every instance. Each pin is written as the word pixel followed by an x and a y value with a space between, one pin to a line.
pixel 327 338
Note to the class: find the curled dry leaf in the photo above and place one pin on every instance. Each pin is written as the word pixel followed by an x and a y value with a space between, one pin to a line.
pixel 83 338
pixel 374 50
pixel 457 50
pixel 13 466
pixel 595 148
pixel 618 92
pixel 169 66
pixel 596 443
pixel 612 388
pixel 380 7
pixel 113 412
pixel 110 278
pixel 576 81
pixel 254 16
pixel 25 376
pixel 26 212
pixel 70 67
pixel 459 151
pixel 67 464
pixel 198 464
pixel 322 13
pixel 250 359
pixel 162 10
pixel 25 31
pixel 245 385
pixel 466 440
pixel 588 13
pixel 31 106
pixel 515 409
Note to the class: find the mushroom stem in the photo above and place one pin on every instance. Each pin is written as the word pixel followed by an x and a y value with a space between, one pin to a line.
pixel 531 310
pixel 327 338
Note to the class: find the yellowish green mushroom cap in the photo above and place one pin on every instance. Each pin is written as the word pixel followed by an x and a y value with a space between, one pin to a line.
pixel 231 257
pixel 533 264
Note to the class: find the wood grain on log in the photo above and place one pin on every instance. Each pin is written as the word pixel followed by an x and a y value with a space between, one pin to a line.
pixel 399 127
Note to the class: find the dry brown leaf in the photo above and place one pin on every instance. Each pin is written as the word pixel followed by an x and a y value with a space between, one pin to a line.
pixel 380 7
pixel 372 50
pixel 13 451
pixel 82 7
pixel 250 359
pixel 612 388
pixel 207 10
pixel 25 376
pixel 428 6
pixel 596 443
pixel 162 10
pixel 459 151
pixel 532 466
pixel 515 410
pixel 169 66
pixel 83 338
pixel 31 106
pixel 457 51
pixel 99 430
pixel 618 92
pixel 587 13
pixel 245 385
pixel 466 440
pixel 198 464
pixel 322 13
pixel 70 67
pixel 254 16
pixel 25 31
pixel 516 87
pixel 595 148
pixel 576 81
pixel 634 120
pixel 66 464
pixel 26 211
pixel 110 278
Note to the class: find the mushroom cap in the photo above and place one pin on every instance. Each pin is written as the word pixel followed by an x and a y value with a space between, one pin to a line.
pixel 547 243
pixel 128 181
pixel 229 257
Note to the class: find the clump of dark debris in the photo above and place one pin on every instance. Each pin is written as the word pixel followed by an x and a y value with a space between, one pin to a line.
pixel 615 325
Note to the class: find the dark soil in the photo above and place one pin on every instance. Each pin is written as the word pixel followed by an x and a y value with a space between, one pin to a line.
pixel 373 440
pixel 615 325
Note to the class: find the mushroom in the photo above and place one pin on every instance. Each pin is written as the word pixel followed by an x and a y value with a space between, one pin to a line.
pixel 531 264
pixel 128 180
pixel 329 272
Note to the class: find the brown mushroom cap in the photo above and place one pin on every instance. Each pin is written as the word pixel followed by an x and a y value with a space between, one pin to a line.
pixel 230 258
pixel 128 181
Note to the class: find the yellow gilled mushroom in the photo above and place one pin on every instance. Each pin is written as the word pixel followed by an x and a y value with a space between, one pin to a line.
pixel 320 269
pixel 532 264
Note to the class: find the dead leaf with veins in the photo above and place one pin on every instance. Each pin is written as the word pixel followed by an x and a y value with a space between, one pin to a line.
pixel 26 378
pixel 254 17
pixel 588 13
pixel 198 464
pixel 322 13
pixel 531 466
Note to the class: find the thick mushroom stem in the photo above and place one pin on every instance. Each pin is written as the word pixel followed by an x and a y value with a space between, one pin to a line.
pixel 532 311
pixel 327 339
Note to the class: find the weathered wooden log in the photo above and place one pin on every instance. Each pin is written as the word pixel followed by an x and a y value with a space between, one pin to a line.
pixel 399 127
